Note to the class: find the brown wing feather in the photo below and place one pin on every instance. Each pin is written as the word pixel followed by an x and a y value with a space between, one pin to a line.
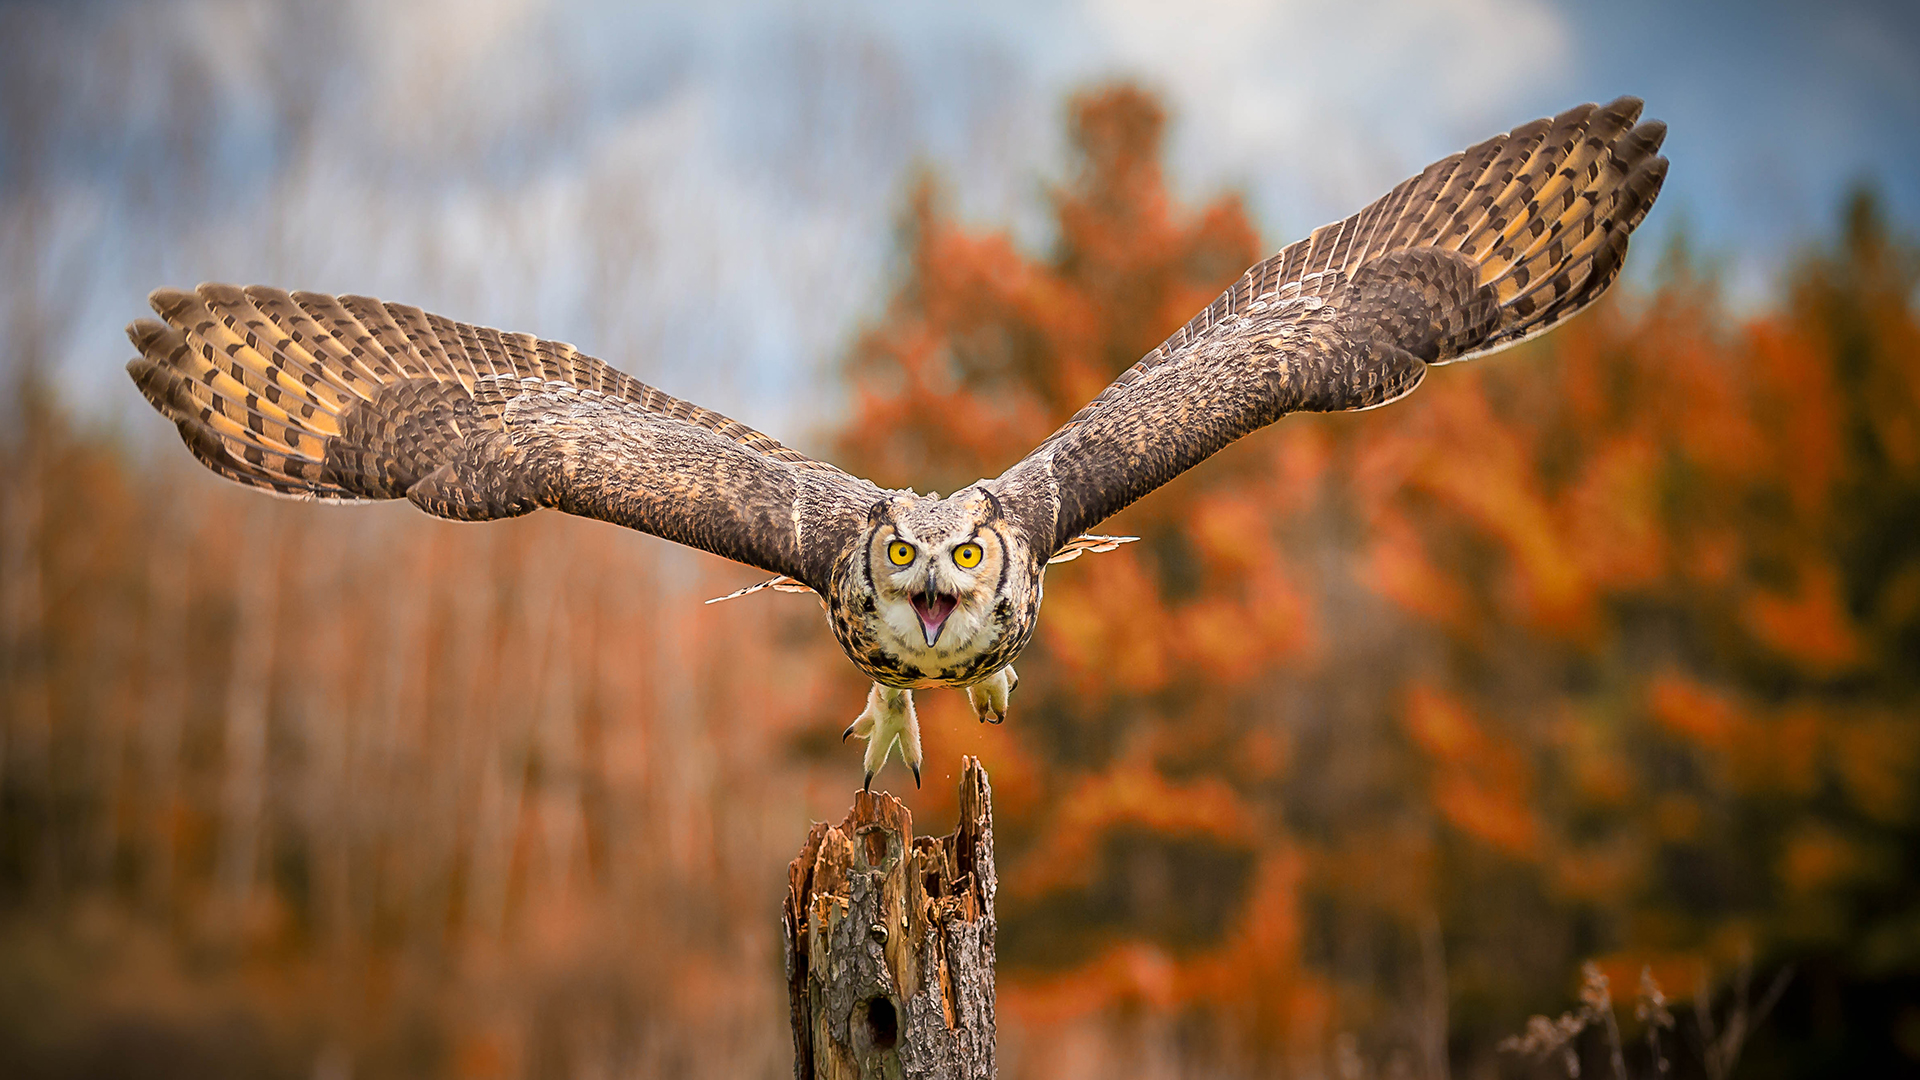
pixel 1483 249
pixel 341 398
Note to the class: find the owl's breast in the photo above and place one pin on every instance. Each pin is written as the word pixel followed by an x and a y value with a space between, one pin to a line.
pixel 884 638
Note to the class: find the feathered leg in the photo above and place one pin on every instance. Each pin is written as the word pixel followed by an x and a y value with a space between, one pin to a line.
pixel 989 696
pixel 887 719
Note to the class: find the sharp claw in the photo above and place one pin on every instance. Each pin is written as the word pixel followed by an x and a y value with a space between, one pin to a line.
pixel 867 784
pixel 849 732
pixel 916 776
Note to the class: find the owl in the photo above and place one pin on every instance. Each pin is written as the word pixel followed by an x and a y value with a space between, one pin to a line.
pixel 348 398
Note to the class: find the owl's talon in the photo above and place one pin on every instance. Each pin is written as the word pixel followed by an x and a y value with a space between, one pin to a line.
pixel 989 696
pixel 887 721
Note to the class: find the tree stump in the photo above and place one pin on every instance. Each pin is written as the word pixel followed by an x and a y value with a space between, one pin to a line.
pixel 890 943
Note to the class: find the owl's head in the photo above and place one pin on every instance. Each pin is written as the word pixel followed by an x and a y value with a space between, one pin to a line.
pixel 938 566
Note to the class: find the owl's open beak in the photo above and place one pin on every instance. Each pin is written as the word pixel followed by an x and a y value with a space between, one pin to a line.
pixel 933 609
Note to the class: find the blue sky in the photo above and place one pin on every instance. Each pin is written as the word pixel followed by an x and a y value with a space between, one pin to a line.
pixel 705 194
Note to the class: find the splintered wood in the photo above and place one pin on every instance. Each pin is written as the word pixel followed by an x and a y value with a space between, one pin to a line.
pixel 890 943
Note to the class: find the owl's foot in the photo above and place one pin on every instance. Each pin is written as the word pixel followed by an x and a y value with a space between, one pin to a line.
pixel 888 719
pixel 989 696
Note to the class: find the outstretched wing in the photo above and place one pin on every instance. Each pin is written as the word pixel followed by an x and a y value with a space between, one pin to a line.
pixel 1482 250
pixel 318 397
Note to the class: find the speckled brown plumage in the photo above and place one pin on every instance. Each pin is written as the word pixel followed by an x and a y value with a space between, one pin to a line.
pixel 318 397
pixel 312 396
pixel 1481 250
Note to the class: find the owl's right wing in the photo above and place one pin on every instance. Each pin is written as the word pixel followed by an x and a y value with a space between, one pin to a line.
pixel 343 398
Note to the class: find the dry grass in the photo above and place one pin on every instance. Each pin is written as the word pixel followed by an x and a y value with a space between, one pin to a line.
pixel 1714 1042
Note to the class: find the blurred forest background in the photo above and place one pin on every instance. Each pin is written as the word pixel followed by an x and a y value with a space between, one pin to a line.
pixel 1605 650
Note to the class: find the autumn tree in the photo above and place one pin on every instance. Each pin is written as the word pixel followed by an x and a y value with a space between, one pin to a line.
pixel 1604 648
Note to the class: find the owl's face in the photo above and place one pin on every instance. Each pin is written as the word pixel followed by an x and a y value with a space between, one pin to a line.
pixel 944 588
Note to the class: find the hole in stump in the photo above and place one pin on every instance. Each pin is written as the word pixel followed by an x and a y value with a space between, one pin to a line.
pixel 883 1026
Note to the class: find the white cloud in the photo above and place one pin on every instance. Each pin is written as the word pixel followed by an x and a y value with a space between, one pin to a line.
pixel 1318 105
pixel 431 59
pixel 706 192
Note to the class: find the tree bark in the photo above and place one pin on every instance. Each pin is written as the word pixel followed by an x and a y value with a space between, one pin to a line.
pixel 890 943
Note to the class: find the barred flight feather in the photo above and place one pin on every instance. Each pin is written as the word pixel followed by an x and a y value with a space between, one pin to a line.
pixel 1482 249
pixel 259 380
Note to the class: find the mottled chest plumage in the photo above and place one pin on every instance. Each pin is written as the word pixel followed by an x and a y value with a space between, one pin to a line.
pixel 894 659
pixel 938 593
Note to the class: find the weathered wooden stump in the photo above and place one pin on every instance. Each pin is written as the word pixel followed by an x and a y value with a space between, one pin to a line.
pixel 890 943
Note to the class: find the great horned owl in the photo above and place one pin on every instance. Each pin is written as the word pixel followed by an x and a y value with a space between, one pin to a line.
pixel 318 397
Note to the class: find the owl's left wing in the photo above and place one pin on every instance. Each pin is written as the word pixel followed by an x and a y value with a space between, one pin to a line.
pixel 346 398
pixel 1481 250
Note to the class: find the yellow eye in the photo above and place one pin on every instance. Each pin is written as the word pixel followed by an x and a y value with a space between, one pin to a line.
pixel 967 555
pixel 900 552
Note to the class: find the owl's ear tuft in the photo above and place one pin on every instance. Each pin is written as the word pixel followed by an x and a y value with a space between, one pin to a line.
pixel 993 504
pixel 877 512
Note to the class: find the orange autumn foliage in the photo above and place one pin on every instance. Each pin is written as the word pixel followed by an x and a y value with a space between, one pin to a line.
pixel 1537 640
pixel 1608 647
